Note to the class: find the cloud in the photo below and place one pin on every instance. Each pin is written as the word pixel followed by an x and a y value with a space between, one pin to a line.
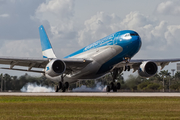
pixel 67 34
pixel 2 2
pixel 19 48
pixel 59 14
pixel 157 36
pixel 172 35
pixel 15 20
pixel 169 8
pixel 19 21
pixel 135 20
pixel 102 24
pixel 98 26
pixel 4 15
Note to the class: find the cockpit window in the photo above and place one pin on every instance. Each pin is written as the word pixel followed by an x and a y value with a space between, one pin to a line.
pixel 127 35
pixel 134 34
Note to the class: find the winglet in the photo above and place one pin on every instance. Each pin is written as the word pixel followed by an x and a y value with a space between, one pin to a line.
pixel 47 50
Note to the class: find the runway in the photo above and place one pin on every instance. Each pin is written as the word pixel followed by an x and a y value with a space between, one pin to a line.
pixel 119 94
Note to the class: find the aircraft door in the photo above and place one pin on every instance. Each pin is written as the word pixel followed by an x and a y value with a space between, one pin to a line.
pixel 115 41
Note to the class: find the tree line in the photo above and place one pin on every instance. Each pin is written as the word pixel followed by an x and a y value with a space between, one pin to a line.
pixel 162 81
pixel 15 83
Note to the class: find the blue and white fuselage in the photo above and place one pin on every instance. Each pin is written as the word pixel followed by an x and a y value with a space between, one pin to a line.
pixel 105 53
pixel 110 54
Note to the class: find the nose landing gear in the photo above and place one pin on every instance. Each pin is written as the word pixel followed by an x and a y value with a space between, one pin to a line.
pixel 127 68
pixel 127 59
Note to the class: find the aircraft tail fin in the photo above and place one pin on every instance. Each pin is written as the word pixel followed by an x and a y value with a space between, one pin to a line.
pixel 47 50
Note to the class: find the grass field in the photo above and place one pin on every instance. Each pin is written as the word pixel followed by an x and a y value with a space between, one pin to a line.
pixel 89 108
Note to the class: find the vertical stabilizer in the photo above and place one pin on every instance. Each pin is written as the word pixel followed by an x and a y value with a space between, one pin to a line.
pixel 47 50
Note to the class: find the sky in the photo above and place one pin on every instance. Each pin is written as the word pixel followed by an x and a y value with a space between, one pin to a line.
pixel 73 24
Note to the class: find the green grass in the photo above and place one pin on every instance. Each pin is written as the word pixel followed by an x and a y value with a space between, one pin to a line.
pixel 89 108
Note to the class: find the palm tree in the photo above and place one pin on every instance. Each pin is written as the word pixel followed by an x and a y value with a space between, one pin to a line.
pixel 164 76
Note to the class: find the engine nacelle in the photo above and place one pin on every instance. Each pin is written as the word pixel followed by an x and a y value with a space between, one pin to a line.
pixel 147 69
pixel 55 68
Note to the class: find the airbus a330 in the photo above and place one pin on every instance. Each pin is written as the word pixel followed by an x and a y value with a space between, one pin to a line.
pixel 112 54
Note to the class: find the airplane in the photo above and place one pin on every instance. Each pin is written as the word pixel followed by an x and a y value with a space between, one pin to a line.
pixel 111 54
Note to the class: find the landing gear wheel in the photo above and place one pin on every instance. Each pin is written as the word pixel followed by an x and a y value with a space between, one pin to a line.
pixel 66 85
pixel 115 89
pixel 60 85
pixel 108 89
pixel 128 68
pixel 118 86
pixel 125 68
pixel 111 86
pixel 63 89
pixel 56 88
pixel 115 73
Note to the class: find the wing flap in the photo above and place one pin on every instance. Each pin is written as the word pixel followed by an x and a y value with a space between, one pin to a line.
pixel 72 64
pixel 25 62
pixel 22 70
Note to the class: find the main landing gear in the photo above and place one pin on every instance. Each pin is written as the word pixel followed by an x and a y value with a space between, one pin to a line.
pixel 116 85
pixel 113 85
pixel 62 86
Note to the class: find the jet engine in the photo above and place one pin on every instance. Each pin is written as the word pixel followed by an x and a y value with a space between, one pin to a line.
pixel 55 68
pixel 147 69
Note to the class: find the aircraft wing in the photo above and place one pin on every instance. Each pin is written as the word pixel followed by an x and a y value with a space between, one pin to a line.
pixel 135 63
pixel 71 64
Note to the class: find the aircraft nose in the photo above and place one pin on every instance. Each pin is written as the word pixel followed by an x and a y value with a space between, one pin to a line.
pixel 136 41
pixel 139 40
